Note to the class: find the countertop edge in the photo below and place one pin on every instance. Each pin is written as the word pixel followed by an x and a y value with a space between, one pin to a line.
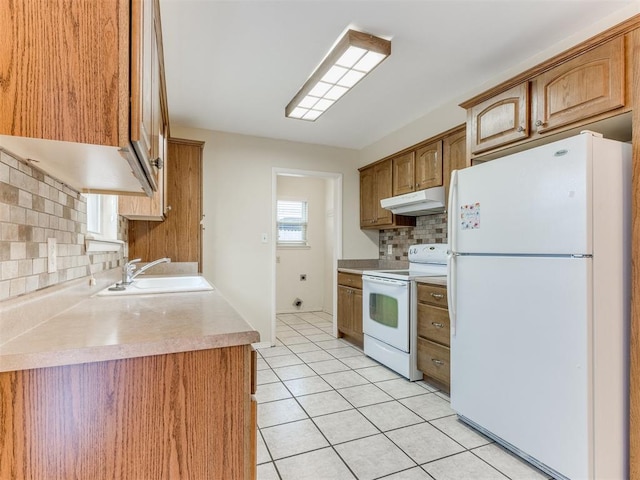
pixel 92 354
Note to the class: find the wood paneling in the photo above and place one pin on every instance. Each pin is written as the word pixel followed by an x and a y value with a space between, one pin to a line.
pixel 179 237
pixel 634 410
pixel 583 87
pixel 177 416
pixel 499 120
pixel 72 83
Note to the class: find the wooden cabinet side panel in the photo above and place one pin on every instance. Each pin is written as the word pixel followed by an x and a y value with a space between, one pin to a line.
pixel 65 70
pixel 634 340
pixel 588 85
pixel 173 416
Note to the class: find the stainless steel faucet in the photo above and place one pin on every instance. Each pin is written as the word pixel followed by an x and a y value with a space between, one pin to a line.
pixel 129 271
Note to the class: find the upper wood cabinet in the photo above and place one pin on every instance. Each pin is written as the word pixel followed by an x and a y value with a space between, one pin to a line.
pixel 586 86
pixel 149 118
pixel 418 169
pixel 87 73
pixel 454 156
pixel 376 183
pixel 429 166
pixel 581 89
pixel 404 172
pixel 500 120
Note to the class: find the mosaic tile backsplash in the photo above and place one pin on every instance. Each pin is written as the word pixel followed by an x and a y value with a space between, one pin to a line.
pixel 428 229
pixel 33 208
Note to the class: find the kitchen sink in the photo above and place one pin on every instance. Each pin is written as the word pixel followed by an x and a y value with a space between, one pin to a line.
pixel 148 285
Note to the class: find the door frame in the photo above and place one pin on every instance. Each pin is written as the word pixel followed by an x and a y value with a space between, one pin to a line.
pixel 337 233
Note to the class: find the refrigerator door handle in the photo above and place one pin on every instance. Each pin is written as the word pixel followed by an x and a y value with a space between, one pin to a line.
pixel 451 229
pixel 453 189
pixel 451 291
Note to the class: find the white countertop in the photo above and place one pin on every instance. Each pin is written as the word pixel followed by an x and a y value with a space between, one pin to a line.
pixel 110 328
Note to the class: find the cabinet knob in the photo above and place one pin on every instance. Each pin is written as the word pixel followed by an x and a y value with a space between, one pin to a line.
pixel 539 123
pixel 437 362
pixel 437 324
pixel 158 163
pixel 437 296
pixel 520 129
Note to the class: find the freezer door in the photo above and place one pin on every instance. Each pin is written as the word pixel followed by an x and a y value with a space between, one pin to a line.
pixel 520 361
pixel 534 202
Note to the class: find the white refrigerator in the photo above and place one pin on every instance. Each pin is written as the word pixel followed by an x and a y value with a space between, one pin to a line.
pixel 539 299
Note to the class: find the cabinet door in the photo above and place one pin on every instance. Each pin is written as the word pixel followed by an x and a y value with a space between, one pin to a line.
pixel 356 317
pixel 454 156
pixel 428 166
pixel 368 208
pixel 499 120
pixel 345 309
pixel 404 174
pixel 383 189
pixel 583 87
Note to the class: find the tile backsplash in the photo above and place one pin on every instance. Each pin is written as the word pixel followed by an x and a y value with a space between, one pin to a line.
pixel 428 229
pixel 33 208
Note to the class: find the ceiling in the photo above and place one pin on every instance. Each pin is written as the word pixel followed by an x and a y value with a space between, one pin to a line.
pixel 234 65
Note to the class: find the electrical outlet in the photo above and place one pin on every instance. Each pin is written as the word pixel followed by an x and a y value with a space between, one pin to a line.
pixel 303 277
pixel 389 249
pixel 52 256
pixel 264 238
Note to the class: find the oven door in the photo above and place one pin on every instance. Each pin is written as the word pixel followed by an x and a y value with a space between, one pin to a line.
pixel 385 310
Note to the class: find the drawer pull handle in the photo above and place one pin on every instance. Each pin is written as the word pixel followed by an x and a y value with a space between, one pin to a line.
pixel 437 324
pixel 439 296
pixel 437 362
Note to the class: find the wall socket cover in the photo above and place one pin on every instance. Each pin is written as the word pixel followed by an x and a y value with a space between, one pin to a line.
pixel 389 249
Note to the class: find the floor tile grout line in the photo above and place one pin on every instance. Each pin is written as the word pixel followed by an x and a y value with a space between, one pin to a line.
pixel 357 409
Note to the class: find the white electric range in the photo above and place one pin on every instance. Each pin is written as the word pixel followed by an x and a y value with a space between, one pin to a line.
pixel 389 308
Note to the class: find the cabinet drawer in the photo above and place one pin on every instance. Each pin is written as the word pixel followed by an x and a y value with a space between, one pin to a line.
pixel 432 294
pixel 433 360
pixel 350 280
pixel 433 323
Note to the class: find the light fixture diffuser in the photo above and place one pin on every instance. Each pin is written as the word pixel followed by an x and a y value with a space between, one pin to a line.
pixel 352 58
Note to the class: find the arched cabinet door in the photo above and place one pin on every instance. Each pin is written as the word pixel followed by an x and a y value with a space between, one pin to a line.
pixel 588 85
pixel 429 166
pixel 499 120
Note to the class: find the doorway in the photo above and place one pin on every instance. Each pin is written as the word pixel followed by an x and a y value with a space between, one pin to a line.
pixel 304 274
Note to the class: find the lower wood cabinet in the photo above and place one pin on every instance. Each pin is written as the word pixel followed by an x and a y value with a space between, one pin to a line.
pixel 350 307
pixel 434 335
pixel 187 415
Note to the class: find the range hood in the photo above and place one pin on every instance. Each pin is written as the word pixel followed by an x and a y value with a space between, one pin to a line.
pixel 422 202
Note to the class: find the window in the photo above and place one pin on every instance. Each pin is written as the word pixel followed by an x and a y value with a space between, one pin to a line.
pixel 292 220
pixel 102 215
pixel 102 223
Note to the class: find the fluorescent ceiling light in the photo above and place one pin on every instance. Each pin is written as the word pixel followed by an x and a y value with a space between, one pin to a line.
pixel 353 57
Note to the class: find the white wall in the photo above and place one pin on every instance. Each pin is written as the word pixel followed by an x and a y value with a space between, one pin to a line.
pixel 310 260
pixel 237 193
pixel 450 114
pixel 329 246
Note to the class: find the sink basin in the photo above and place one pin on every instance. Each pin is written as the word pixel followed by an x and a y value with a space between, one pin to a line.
pixel 146 285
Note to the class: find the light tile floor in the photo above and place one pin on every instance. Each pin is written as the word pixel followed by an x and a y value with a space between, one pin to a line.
pixel 326 411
